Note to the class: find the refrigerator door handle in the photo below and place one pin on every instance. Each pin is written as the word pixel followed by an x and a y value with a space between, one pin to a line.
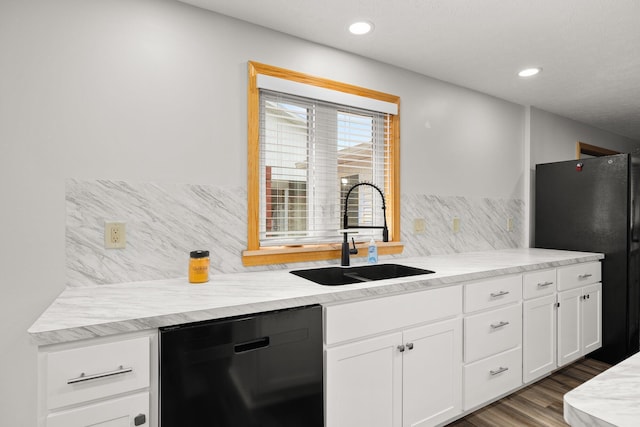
pixel 634 215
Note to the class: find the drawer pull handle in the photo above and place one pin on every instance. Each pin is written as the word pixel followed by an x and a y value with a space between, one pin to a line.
pixel 498 294
pixel 83 377
pixel 584 276
pixel 500 370
pixel 409 346
pixel 401 348
pixel 499 325
pixel 544 284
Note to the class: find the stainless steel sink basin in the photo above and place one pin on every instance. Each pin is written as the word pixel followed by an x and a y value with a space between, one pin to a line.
pixel 333 276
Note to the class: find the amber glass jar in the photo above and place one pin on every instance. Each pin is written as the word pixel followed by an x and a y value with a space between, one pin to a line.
pixel 199 266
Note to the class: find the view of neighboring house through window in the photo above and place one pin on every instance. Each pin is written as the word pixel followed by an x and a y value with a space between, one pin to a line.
pixel 311 153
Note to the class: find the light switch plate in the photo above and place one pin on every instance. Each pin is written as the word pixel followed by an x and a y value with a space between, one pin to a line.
pixel 509 224
pixel 456 225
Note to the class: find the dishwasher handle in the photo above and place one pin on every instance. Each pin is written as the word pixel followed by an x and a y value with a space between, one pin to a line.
pixel 251 345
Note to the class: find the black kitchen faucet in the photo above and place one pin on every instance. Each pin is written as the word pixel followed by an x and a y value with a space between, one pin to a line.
pixel 346 251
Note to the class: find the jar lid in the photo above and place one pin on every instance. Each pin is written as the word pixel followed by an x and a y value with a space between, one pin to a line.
pixel 199 254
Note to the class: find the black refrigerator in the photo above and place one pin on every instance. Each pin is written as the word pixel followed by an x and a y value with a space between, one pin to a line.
pixel 592 205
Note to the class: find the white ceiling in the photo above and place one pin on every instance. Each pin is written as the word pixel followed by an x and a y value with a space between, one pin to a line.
pixel 589 49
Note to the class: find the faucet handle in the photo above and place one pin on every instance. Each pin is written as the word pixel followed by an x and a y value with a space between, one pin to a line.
pixel 354 250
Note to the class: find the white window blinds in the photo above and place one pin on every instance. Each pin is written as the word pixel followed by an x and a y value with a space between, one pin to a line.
pixel 311 153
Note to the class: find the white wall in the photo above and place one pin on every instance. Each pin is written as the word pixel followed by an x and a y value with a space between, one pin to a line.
pixel 553 138
pixel 155 90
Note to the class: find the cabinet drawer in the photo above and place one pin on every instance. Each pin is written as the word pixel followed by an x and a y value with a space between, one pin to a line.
pixel 573 276
pixel 492 332
pixel 492 293
pixel 538 283
pixel 492 377
pixel 123 412
pixel 363 318
pixel 82 374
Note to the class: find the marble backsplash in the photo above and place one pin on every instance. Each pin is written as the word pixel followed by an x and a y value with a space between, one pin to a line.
pixel 164 222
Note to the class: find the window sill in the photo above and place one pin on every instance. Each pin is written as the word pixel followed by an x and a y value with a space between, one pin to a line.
pixel 289 254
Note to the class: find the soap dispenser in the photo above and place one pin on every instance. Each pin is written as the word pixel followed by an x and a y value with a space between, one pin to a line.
pixel 373 252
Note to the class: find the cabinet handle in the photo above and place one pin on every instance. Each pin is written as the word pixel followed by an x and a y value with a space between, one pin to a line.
pixel 584 276
pixel 139 420
pixel 499 325
pixel 84 377
pixel 401 348
pixel 498 294
pixel 409 346
pixel 500 370
pixel 544 284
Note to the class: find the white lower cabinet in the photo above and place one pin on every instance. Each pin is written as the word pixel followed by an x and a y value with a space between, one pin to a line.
pixel 98 383
pixel 579 322
pixel 592 318
pixel 432 374
pixel 407 378
pixel 124 412
pixel 364 383
pixel 394 361
pixel 492 339
pixel 538 337
pixel 424 370
pixel 491 377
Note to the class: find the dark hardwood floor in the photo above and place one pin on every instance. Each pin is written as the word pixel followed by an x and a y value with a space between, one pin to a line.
pixel 537 405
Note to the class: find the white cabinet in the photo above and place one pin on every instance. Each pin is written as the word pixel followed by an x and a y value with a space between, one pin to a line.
pixel 579 311
pixel 539 325
pixel 411 376
pixel 90 372
pixel 492 331
pixel 491 377
pixel 364 383
pixel 591 318
pixel 432 375
pixel 122 412
pixel 492 339
pixel 389 380
pixel 103 382
pixel 579 322
pixel 538 337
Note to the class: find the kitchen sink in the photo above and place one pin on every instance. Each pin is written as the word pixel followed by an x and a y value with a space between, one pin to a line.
pixel 334 276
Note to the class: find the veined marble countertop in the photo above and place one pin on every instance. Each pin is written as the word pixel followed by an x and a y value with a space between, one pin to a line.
pixel 610 399
pixel 101 310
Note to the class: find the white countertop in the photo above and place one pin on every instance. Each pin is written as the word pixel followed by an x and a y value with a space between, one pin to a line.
pixel 612 398
pixel 92 311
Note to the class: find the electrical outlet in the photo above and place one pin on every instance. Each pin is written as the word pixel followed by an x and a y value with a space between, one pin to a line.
pixel 419 225
pixel 115 235
pixel 456 225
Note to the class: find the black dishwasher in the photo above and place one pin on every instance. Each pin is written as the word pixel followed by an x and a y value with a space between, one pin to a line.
pixel 263 370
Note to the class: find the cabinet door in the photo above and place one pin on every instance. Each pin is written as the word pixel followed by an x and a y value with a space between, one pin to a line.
pixel 569 326
pixel 364 383
pixel 539 337
pixel 123 412
pixel 432 373
pixel 592 318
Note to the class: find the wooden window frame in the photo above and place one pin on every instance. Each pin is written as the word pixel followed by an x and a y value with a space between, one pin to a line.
pixel 593 150
pixel 254 254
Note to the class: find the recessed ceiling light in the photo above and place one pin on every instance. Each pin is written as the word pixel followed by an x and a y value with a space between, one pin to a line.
pixel 528 72
pixel 360 28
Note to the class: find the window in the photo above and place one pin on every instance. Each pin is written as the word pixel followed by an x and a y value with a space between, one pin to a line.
pixel 307 148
